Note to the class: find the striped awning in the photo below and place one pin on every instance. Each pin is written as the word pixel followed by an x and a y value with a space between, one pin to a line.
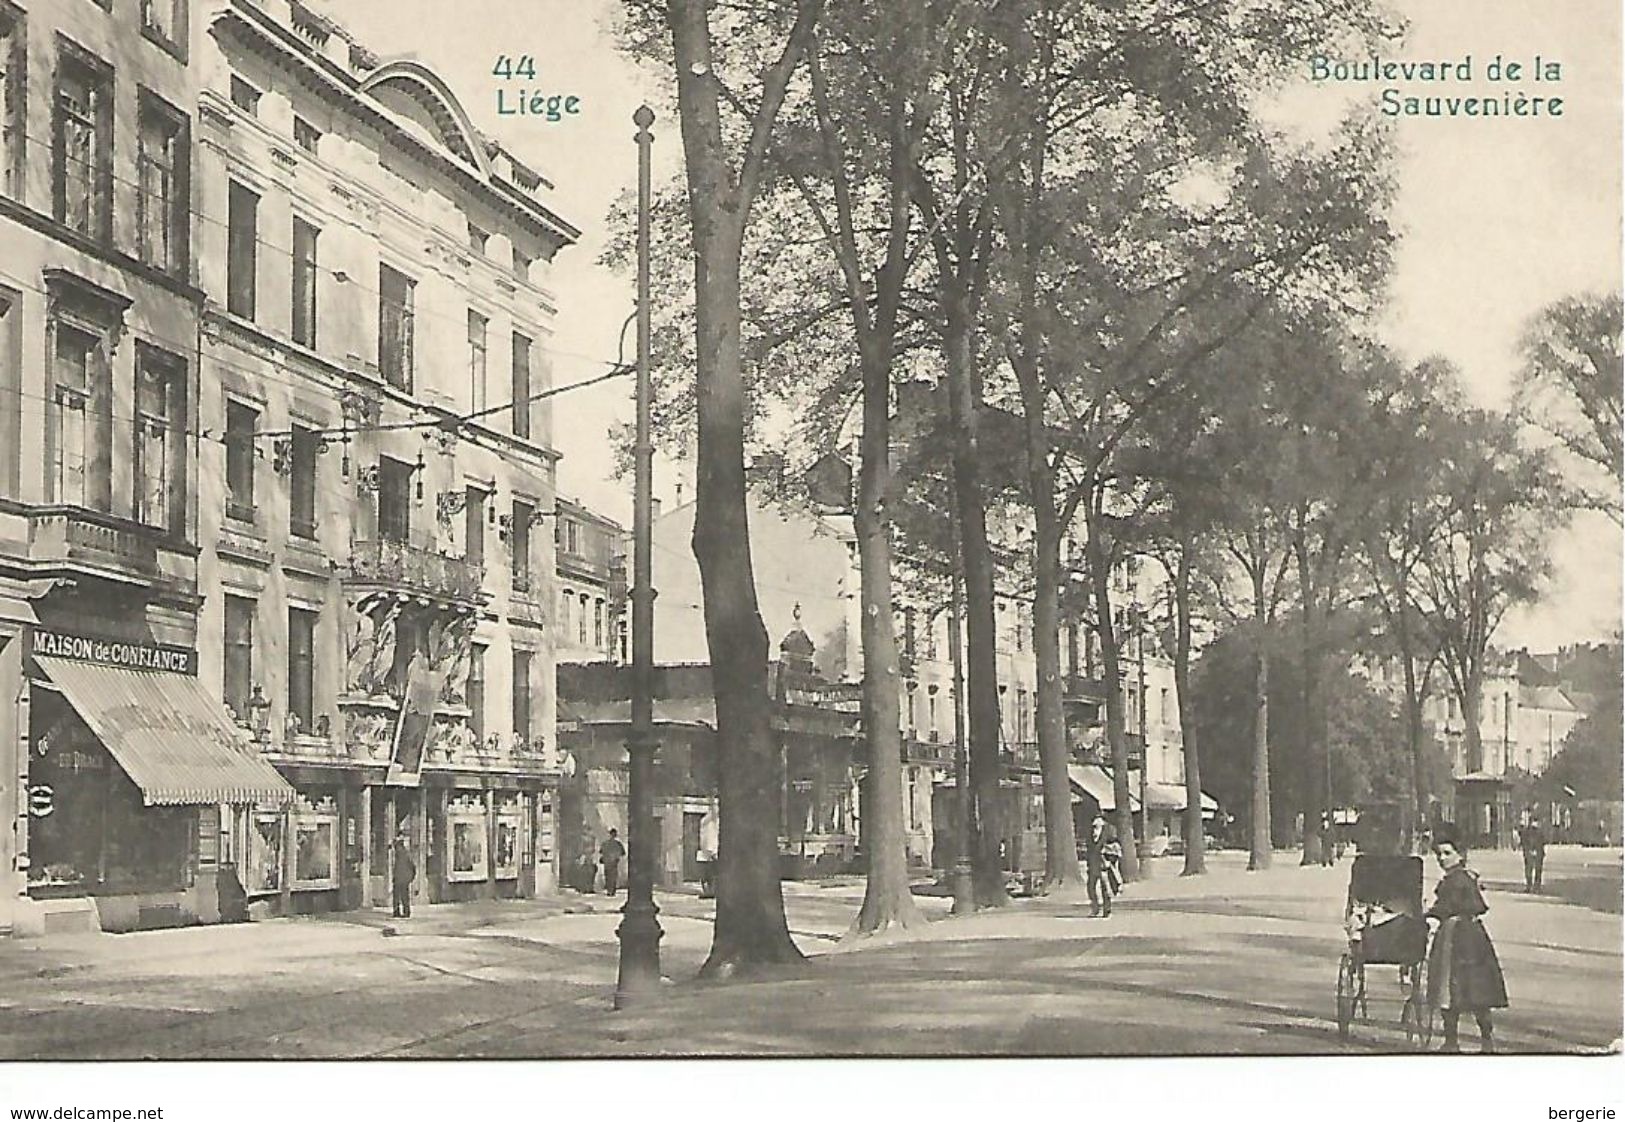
pixel 178 744
pixel 1096 782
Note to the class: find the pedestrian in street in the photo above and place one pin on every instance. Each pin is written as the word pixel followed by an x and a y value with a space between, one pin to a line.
pixel 1097 862
pixel 1532 840
pixel 1327 853
pixel 1464 975
pixel 585 873
pixel 610 855
pixel 403 870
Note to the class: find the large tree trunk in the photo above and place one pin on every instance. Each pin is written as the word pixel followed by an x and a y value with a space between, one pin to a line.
pixel 1195 834
pixel 1060 835
pixel 1413 740
pixel 1099 556
pixel 1314 767
pixel 1263 847
pixel 964 393
pixel 751 929
pixel 887 901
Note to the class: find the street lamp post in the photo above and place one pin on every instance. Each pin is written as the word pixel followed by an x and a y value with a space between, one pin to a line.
pixel 960 879
pixel 639 931
pixel 1145 748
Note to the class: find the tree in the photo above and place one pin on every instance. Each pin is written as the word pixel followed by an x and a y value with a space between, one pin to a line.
pixel 1570 386
pixel 751 929
pixel 864 156
pixel 1501 500
pixel 1405 523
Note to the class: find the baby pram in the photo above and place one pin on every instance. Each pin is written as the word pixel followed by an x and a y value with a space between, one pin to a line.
pixel 1385 926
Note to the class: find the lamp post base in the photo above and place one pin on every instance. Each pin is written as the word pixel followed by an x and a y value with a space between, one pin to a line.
pixel 640 935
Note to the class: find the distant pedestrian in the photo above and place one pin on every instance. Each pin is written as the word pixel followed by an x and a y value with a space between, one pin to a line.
pixel 403 870
pixel 1532 840
pixel 1464 975
pixel 584 875
pixel 1327 853
pixel 610 855
pixel 1098 861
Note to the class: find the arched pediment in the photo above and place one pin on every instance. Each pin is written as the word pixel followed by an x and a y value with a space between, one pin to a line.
pixel 413 90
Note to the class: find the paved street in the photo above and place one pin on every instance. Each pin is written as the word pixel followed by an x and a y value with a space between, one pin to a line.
pixel 1232 962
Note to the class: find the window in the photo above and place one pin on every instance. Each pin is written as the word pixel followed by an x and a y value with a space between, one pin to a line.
pixel 160 465
pixel 241 421
pixel 521 546
pixel 75 369
pixel 395 327
pixel 245 96
pixel 521 386
pixel 304 447
pixel 161 18
pixel 302 667
pixel 581 620
pixel 306 135
pixel 242 249
pixel 477 238
pixel 474 527
pixel 161 201
pixel 566 598
pixel 83 179
pixel 477 325
pixel 239 652
pixel 598 623
pixel 304 282
pixel 476 692
pixel 1163 712
pixel 394 499
pixel 13 94
pixel 521 696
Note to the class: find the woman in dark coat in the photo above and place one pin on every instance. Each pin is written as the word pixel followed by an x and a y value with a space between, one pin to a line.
pixel 1464 976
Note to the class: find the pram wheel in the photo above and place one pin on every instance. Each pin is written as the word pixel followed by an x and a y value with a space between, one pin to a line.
pixel 1417 1016
pixel 1348 993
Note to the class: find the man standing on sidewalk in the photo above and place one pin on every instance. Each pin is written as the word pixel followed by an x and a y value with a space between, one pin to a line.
pixel 1097 859
pixel 402 872
pixel 610 855
pixel 1532 840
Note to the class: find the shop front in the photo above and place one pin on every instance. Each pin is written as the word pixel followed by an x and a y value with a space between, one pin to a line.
pixel 488 839
pixel 130 763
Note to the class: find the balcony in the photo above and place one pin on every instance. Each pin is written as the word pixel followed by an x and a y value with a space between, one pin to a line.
pixel 397 567
pixel 87 543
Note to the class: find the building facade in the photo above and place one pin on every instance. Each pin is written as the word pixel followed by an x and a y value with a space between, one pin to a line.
pixel 376 466
pixel 115 756
pixel 591 551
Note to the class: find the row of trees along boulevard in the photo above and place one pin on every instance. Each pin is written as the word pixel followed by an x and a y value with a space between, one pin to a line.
pixel 1062 217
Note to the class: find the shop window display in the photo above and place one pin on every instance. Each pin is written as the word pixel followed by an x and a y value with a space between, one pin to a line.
pixel 315 838
pixel 90 830
pixel 505 855
pixel 264 866
pixel 466 819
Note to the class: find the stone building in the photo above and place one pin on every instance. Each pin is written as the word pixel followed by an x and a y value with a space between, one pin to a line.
pixel 376 465
pixel 115 753
pixel 592 555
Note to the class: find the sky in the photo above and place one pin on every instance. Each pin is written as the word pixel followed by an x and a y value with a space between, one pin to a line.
pixel 1498 216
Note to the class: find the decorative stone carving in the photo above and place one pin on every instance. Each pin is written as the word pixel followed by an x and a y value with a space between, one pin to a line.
pixel 370 646
pixel 368 734
pixel 452 648
pixel 450 739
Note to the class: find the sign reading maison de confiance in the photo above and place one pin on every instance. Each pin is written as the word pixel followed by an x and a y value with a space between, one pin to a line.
pixel 115 652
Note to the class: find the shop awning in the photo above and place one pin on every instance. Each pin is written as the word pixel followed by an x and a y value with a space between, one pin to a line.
pixel 175 742
pixel 1096 782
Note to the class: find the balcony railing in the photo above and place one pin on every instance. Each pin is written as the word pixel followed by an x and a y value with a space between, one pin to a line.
pixel 399 566
pixel 86 539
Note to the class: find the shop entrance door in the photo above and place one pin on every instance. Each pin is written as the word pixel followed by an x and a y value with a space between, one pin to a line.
pixel 394 809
